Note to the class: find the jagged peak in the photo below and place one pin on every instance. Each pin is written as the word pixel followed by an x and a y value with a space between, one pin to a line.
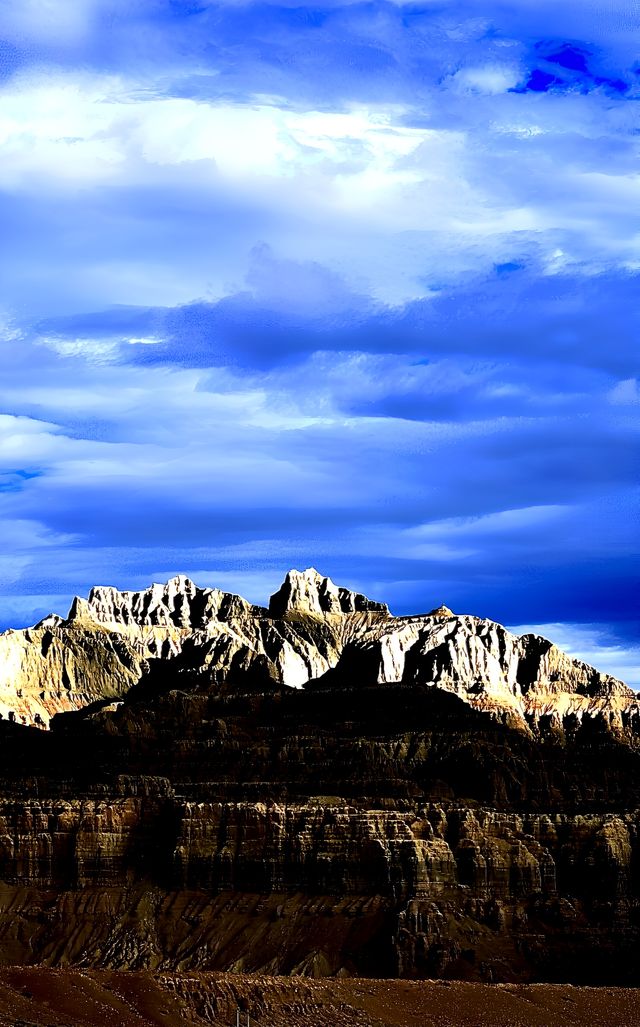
pixel 441 611
pixel 178 602
pixel 310 592
pixel 52 620
pixel 479 650
pixel 178 584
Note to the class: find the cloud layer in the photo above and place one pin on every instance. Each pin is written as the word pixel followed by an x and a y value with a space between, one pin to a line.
pixel 352 285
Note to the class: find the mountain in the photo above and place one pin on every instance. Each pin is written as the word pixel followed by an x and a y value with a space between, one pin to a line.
pixel 315 786
pixel 310 628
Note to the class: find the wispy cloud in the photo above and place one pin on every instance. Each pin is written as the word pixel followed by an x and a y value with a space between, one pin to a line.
pixel 352 285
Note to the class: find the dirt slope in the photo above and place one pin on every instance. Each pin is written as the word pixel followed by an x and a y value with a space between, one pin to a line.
pixel 31 997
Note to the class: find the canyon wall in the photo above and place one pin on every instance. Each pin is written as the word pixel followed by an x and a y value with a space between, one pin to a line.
pixel 439 890
pixel 189 781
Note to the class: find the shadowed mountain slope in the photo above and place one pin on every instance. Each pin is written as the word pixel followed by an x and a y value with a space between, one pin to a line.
pixel 315 787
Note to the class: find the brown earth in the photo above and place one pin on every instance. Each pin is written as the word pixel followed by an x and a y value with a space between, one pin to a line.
pixel 158 883
pixel 37 997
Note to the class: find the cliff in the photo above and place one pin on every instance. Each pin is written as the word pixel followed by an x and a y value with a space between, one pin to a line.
pixel 313 634
pixel 317 889
pixel 313 787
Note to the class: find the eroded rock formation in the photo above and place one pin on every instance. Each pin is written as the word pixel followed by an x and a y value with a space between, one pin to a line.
pixel 263 887
pixel 315 787
pixel 312 627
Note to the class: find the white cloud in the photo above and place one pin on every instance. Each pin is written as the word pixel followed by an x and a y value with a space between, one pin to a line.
pixel 25 439
pixel 399 198
pixel 13 423
pixel 97 350
pixel 46 20
pixel 89 129
pixel 502 523
pixel 31 534
pixel 363 164
pixel 489 79
pixel 625 393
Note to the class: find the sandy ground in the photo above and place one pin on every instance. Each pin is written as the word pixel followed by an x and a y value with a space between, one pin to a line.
pixel 43 997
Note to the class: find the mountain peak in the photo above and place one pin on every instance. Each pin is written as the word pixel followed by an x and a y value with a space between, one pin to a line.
pixel 177 602
pixel 310 592
pixel 441 611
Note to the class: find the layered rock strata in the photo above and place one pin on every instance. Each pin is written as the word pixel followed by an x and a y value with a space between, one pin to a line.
pixel 315 787
pixel 432 891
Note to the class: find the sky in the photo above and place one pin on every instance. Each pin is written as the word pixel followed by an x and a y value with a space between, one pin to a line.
pixel 351 285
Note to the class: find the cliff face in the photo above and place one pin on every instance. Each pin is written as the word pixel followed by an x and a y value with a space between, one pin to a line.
pixel 312 632
pixel 315 787
pixel 308 592
pixel 314 889
pixel 58 666
pixel 486 665
pixel 103 646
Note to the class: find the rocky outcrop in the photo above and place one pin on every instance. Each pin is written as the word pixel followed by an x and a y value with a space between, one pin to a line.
pixel 309 592
pixel 101 649
pixel 314 788
pixel 484 664
pixel 179 606
pixel 57 666
pixel 319 889
pixel 314 633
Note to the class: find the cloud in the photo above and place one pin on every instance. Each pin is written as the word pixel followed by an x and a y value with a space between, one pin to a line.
pixel 48 21
pixel 491 79
pixel 212 460
pixel 352 286
pixel 402 188
pixel 625 393
pixel 288 310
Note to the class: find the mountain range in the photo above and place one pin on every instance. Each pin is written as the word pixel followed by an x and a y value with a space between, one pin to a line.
pixel 189 781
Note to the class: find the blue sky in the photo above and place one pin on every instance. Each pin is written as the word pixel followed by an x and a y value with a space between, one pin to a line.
pixel 352 285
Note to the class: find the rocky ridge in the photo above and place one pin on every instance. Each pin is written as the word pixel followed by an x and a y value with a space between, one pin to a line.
pixel 312 632
pixel 319 890
pixel 313 787
pixel 103 646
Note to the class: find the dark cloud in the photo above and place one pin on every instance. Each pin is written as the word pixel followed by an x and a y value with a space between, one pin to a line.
pixel 566 67
pixel 560 319
pixel 346 285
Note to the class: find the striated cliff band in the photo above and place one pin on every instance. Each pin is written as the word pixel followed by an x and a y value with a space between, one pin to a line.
pixel 188 781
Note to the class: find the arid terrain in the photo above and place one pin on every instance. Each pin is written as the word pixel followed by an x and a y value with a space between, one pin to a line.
pixel 311 811
pixel 89 998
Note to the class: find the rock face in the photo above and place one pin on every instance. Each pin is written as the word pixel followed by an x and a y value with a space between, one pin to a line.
pixel 308 592
pixel 63 666
pixel 316 787
pixel 487 666
pixel 311 627
pixel 103 646
pixel 170 610
pixel 429 891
